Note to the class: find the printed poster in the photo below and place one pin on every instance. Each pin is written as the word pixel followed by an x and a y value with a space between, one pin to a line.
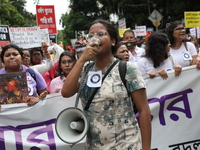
pixel 13 88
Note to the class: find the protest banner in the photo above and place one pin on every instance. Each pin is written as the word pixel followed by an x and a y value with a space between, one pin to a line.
pixel 192 19
pixel 13 88
pixel 53 38
pixel 46 18
pixel 122 23
pixel 140 30
pixel 26 37
pixel 174 105
pixel 121 31
pixel 45 36
pixel 4 35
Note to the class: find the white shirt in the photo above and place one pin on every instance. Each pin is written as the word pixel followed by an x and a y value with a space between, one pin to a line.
pixel 145 66
pixel 135 58
pixel 181 55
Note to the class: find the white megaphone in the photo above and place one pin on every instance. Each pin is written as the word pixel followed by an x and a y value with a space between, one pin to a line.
pixel 71 125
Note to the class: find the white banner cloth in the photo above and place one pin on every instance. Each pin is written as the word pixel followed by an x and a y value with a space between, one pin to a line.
pixel 174 105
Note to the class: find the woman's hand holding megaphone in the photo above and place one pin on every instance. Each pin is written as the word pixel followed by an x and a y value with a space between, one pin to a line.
pixel 91 49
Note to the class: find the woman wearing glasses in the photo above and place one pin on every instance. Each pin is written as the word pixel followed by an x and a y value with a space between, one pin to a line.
pixel 183 52
pixel 66 62
pixel 112 121
pixel 41 68
pixel 38 58
pixel 135 52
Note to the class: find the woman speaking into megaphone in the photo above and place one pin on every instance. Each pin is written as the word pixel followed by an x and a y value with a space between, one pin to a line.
pixel 106 102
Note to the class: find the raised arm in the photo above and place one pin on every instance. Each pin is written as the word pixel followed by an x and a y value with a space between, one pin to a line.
pixel 42 68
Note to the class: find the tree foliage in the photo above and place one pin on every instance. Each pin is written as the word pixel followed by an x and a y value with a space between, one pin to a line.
pixel 136 12
pixel 14 14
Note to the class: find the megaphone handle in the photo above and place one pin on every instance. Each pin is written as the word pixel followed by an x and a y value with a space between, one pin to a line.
pixel 72 145
pixel 82 81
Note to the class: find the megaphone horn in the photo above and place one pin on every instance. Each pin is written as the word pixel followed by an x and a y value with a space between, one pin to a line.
pixel 71 125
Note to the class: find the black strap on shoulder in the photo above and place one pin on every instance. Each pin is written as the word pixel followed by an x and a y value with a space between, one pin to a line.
pixel 122 73
pixel 32 73
pixel 96 89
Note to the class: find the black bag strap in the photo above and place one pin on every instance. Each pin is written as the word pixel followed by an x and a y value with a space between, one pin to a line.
pixel 32 73
pixel 122 73
pixel 96 89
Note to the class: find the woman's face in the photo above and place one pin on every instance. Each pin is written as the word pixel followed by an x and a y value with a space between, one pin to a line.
pixel 179 32
pixel 26 58
pixel 66 64
pixel 122 52
pixel 12 59
pixel 36 57
pixel 99 31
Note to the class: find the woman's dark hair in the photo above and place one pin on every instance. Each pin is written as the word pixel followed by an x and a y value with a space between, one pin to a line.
pixel 6 47
pixel 65 53
pixel 118 45
pixel 35 49
pixel 116 48
pixel 156 48
pixel 111 30
pixel 170 30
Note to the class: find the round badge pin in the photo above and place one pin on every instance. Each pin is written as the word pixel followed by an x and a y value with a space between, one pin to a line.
pixel 186 55
pixel 95 78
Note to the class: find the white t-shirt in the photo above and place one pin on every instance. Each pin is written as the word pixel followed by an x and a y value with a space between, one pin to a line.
pixel 145 66
pixel 135 58
pixel 182 56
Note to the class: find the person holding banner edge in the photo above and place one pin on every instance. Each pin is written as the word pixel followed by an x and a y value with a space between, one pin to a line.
pixel 157 59
pixel 112 120
pixel 41 68
pixel 182 51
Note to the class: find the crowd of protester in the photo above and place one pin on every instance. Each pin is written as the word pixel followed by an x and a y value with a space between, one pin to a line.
pixel 160 53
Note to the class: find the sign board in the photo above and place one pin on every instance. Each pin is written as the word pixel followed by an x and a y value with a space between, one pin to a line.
pixel 121 31
pixel 26 37
pixel 14 87
pixel 122 23
pixel 193 32
pixel 45 36
pixel 53 38
pixel 140 30
pixel 46 18
pixel 192 19
pixel 156 23
pixel 198 32
pixel 155 16
pixel 4 35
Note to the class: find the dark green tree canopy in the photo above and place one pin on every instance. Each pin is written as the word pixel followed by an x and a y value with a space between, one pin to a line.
pixel 14 14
